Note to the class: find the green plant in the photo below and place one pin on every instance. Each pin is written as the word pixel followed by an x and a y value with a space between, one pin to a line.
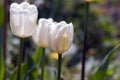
pixel 101 72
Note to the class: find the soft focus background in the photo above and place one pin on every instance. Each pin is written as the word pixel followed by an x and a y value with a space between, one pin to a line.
pixel 103 35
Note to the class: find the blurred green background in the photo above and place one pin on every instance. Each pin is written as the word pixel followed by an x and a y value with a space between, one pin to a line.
pixel 103 35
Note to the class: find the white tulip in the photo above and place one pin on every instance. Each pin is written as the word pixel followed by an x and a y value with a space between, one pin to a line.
pixel 23 18
pixel 40 35
pixel 60 36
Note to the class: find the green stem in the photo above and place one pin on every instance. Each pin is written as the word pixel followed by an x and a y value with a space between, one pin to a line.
pixel 59 66
pixel 20 59
pixel 43 63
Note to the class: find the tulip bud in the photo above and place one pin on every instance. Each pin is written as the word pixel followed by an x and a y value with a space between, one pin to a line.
pixel 60 36
pixel 40 35
pixel 23 19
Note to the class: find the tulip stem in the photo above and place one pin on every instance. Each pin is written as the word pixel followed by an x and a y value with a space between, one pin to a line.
pixel 20 59
pixel 43 63
pixel 59 66
pixel 85 41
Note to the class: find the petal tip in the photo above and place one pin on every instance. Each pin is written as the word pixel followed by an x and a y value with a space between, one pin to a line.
pixel 24 5
pixel 13 5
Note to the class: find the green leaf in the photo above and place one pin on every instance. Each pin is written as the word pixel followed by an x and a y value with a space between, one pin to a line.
pixel 32 73
pixel 2 67
pixel 37 56
pixel 30 67
pixel 101 72
pixel 24 69
pixel 27 67
pixel 50 73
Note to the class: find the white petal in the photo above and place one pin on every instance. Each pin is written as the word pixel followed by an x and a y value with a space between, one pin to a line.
pixel 32 8
pixel 52 31
pixel 71 34
pixel 15 23
pixel 15 8
pixel 61 24
pixel 50 19
pixel 24 5
pixel 13 5
pixel 40 21
pixel 35 36
pixel 71 31
pixel 33 16
pixel 44 32
pixel 15 19
pixel 28 26
pixel 29 23
pixel 44 36
pixel 62 39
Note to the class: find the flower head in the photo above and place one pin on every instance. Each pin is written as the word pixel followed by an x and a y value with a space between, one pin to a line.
pixel 60 36
pixel 23 19
pixel 40 35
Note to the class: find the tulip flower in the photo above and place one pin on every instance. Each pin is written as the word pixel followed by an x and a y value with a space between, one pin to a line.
pixel 40 35
pixel 60 39
pixel 23 19
pixel 60 36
